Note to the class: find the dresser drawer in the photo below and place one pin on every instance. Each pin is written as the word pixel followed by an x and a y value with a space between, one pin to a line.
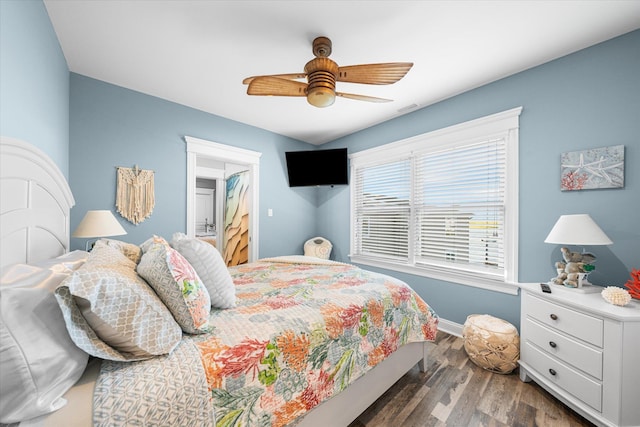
pixel 574 382
pixel 580 325
pixel 573 352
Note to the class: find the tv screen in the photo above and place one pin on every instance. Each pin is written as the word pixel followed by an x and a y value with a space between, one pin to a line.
pixel 318 167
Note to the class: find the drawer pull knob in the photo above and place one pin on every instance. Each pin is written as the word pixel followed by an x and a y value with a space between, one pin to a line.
pixel 552 344
pixel 552 372
pixel 553 316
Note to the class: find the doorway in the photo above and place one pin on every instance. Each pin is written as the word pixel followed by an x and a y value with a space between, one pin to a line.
pixel 206 224
pixel 214 162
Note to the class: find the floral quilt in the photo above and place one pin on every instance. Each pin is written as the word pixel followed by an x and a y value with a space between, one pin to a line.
pixel 300 334
pixel 302 331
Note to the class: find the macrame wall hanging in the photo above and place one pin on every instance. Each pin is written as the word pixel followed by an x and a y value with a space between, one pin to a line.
pixel 135 193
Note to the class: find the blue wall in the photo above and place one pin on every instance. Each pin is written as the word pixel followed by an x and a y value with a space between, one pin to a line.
pixel 585 100
pixel 112 126
pixel 34 80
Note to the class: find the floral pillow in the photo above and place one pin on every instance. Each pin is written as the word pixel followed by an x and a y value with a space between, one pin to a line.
pixel 177 284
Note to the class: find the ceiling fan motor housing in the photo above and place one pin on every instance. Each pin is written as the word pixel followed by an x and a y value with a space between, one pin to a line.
pixel 321 76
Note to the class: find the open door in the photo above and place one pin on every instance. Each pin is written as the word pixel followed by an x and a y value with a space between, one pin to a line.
pixel 211 160
pixel 236 219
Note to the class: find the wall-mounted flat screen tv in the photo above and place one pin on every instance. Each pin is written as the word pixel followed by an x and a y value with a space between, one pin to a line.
pixel 317 167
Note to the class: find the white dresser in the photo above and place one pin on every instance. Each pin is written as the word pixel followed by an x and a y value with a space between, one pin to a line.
pixel 584 351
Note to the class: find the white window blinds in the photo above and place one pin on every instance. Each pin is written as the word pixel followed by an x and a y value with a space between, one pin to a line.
pixel 382 208
pixel 442 204
pixel 459 206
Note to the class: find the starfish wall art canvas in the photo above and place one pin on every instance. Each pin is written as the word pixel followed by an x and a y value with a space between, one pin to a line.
pixel 593 169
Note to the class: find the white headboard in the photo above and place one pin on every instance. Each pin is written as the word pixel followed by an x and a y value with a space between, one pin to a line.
pixel 35 201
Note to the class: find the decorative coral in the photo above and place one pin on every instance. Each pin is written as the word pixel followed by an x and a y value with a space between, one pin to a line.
pixel 633 284
pixel 616 296
pixel 573 180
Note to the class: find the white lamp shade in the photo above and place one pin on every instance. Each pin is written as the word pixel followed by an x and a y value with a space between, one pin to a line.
pixel 98 224
pixel 578 229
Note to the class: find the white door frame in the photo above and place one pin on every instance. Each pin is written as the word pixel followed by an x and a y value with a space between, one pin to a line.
pixel 197 147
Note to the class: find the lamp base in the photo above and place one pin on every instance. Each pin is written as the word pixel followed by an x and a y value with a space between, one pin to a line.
pixel 90 244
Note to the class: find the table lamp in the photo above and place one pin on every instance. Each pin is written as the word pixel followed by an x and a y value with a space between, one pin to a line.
pixel 579 229
pixel 96 224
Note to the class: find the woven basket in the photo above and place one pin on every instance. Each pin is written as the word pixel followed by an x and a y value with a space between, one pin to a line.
pixel 491 343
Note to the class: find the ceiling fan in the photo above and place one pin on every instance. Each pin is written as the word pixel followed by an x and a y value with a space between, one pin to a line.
pixel 322 74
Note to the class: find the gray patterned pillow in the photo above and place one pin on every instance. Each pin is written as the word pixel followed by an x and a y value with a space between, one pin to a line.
pixel 111 313
pixel 131 251
pixel 210 266
pixel 177 284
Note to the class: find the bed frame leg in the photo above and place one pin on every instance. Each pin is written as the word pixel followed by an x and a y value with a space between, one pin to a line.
pixel 422 363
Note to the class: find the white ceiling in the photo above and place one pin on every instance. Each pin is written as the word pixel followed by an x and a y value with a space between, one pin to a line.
pixel 196 53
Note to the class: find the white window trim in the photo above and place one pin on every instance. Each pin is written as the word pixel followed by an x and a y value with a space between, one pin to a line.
pixel 499 123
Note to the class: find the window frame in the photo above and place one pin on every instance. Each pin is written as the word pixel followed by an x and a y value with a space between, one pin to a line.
pixel 505 124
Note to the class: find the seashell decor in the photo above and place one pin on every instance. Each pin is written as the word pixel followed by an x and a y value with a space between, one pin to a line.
pixel 616 296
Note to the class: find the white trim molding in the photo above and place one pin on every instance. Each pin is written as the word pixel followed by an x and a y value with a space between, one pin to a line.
pixel 197 147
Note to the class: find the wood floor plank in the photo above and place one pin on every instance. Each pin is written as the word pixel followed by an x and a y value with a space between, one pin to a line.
pixel 480 419
pixel 410 407
pixel 444 408
pixel 524 416
pixel 454 392
pixel 500 398
pixel 465 409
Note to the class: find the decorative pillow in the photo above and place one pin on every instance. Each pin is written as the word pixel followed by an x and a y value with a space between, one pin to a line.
pixel 112 313
pixel 40 362
pixel 177 284
pixel 131 251
pixel 210 266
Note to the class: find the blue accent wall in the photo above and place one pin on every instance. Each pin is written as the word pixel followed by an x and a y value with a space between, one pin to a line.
pixel 112 126
pixel 34 80
pixel 585 100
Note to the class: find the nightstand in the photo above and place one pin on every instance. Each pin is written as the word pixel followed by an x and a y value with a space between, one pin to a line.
pixel 584 351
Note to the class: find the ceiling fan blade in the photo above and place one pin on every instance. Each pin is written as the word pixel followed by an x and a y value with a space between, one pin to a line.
pixel 374 74
pixel 290 76
pixel 274 86
pixel 362 97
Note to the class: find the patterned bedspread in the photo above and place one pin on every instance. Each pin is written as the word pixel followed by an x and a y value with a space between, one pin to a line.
pixel 300 334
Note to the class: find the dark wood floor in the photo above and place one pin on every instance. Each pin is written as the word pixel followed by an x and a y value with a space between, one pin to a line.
pixel 454 392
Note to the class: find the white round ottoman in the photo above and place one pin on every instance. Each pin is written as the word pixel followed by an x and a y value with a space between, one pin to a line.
pixel 491 343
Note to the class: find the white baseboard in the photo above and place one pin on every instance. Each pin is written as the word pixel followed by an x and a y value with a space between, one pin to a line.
pixel 450 327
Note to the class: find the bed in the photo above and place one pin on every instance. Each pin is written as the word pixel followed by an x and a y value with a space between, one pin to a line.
pixel 290 340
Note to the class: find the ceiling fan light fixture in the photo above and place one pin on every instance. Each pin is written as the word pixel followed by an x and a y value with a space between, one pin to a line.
pixel 322 74
pixel 321 97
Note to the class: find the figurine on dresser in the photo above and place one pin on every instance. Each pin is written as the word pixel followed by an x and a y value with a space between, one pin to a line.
pixel 574 268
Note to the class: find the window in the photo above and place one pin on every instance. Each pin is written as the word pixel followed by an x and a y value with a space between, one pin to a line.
pixel 442 204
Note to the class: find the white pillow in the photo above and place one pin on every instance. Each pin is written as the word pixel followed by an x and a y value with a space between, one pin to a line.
pixel 40 362
pixel 211 269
